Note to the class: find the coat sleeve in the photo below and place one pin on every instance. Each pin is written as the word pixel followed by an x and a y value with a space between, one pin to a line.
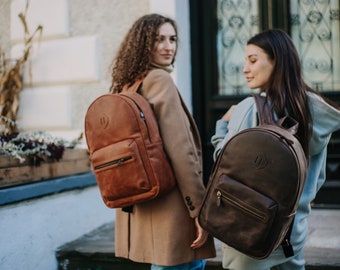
pixel 180 138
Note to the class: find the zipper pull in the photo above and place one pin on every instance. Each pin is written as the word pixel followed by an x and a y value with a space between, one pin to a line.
pixel 219 195
pixel 142 115
pixel 119 161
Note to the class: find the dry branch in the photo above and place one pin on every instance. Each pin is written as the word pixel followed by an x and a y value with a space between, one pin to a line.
pixel 11 80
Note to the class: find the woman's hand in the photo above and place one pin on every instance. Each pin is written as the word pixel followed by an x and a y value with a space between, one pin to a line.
pixel 226 117
pixel 201 238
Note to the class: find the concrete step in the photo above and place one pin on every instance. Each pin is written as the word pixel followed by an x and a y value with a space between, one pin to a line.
pixel 95 250
pixel 328 195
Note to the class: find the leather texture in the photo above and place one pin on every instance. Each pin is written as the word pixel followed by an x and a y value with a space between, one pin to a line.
pixel 255 186
pixel 126 149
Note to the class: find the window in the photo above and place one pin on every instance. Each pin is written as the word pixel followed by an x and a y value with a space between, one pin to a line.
pixel 237 21
pixel 313 25
pixel 315 30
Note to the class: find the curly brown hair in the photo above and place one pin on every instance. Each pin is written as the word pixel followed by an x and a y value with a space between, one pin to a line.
pixel 134 56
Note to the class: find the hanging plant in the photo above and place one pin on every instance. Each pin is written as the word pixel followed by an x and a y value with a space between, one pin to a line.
pixel 36 146
pixel 11 81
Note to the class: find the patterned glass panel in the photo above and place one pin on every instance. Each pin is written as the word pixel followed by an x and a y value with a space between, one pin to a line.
pixel 237 22
pixel 315 31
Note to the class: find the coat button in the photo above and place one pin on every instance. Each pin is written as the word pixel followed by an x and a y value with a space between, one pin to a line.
pixel 192 208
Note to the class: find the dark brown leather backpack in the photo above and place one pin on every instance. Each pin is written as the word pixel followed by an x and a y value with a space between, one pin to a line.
pixel 126 149
pixel 255 186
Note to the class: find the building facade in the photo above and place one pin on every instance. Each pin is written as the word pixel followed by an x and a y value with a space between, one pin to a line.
pixel 70 67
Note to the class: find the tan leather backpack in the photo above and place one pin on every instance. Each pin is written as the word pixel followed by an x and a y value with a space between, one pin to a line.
pixel 126 149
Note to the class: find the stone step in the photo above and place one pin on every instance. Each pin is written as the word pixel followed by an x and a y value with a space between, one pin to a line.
pixel 95 250
pixel 328 195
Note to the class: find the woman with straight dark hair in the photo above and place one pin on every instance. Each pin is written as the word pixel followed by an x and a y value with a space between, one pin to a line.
pixel 273 66
pixel 165 231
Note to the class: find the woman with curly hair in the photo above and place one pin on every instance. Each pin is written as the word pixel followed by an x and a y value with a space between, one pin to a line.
pixel 273 65
pixel 165 231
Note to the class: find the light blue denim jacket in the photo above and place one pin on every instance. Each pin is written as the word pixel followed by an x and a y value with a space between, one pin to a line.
pixel 326 120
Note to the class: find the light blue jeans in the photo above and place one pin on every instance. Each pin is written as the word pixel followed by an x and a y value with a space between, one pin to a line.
pixel 195 265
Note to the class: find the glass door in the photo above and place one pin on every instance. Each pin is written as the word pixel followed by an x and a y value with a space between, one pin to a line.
pixel 219 32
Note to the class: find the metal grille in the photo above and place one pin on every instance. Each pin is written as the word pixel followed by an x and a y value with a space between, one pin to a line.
pixel 237 22
pixel 315 30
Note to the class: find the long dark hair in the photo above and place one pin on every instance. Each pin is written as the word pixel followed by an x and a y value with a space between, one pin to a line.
pixel 286 90
pixel 134 56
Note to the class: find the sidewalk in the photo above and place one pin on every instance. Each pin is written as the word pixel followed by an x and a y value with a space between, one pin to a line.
pixel 96 249
pixel 322 250
pixel 323 244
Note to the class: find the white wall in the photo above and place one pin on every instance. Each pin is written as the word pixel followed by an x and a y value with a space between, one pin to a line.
pixel 179 10
pixel 70 66
pixel 31 231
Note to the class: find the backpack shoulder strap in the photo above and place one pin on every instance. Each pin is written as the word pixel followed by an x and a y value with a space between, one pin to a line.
pixel 146 111
pixel 134 87
pixel 263 112
pixel 265 116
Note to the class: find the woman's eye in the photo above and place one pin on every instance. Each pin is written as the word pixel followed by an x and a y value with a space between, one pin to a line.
pixel 159 39
pixel 162 39
pixel 173 39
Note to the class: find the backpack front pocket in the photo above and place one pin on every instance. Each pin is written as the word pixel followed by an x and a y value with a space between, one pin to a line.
pixel 117 163
pixel 237 214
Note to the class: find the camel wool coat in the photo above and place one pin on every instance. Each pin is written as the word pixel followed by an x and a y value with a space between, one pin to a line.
pixel 161 231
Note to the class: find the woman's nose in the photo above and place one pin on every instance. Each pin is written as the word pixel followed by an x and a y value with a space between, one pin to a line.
pixel 169 45
pixel 245 68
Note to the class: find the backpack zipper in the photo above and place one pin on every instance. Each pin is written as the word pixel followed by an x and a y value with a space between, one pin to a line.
pixel 238 205
pixel 116 162
pixel 141 114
